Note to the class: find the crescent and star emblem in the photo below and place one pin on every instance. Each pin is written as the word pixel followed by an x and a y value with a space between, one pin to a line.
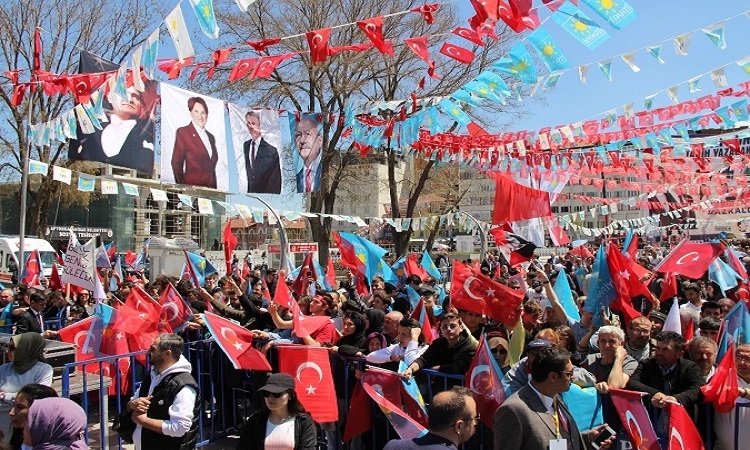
pixel 685 256
pixel 233 340
pixel 634 428
pixel 310 365
pixel 370 28
pixel 675 435
pixel 170 306
pixel 467 283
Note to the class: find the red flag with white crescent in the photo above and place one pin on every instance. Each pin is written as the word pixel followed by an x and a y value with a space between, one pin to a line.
pixel 484 380
pixel 236 342
pixel 635 419
pixel 419 46
pixel 683 435
pixel 311 369
pixel 473 291
pixel 268 64
pixel 460 54
pixel 318 42
pixel 373 29
pixel 691 259
pixel 175 312
pixel 242 68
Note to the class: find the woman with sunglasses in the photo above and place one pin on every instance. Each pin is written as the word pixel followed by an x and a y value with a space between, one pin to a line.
pixel 281 422
pixel 26 366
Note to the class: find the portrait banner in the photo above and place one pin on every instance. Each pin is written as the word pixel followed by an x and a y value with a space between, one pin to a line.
pixel 307 146
pixel 126 138
pixel 193 139
pixel 256 139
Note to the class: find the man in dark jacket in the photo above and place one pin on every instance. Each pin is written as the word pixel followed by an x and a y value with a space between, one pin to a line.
pixel 452 352
pixel 666 377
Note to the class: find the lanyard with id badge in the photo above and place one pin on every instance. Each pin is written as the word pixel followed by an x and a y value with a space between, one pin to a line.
pixel 558 443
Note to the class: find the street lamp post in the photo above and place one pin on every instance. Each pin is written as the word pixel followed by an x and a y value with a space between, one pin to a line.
pixel 482 233
pixel 282 232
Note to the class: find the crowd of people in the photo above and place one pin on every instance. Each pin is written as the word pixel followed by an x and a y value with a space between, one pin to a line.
pixel 377 328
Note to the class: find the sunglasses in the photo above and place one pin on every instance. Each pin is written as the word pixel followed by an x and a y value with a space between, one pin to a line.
pixel 273 394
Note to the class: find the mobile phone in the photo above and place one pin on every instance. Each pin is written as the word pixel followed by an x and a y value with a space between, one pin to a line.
pixel 605 434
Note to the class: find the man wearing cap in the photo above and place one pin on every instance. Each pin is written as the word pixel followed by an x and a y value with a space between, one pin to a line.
pixel 535 417
pixel 657 321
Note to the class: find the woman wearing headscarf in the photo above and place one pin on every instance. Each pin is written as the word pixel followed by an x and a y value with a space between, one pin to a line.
pixel 55 424
pixel 19 414
pixel 375 319
pixel 26 366
pixel 353 339
pixel 500 349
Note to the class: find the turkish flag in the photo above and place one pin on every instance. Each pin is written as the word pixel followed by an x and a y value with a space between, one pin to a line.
pixel 230 243
pixel 147 309
pixel 514 202
pixel 484 380
pixel 268 64
pixel 236 342
pixel 260 46
pixel 242 68
pixel 303 325
pixel 426 11
pixel 31 275
pixel 220 57
pixel 80 85
pixel 19 91
pixel 473 291
pixel 318 42
pixel 557 234
pixel 419 46
pixel 307 270
pixel 469 34
pixel 76 334
pixel 359 419
pixel 626 281
pixel 311 369
pixel 373 28
pixel 387 391
pixel 691 259
pixel 421 315
pixel 635 419
pixel 722 388
pixel 175 311
pixel 683 434
pixel 669 287
pixel 460 54
pixel 412 267
pixel 331 273
pixel 130 258
pixel 733 145
pixel 54 282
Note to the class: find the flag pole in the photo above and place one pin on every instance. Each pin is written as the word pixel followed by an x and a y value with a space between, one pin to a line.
pixel 24 187
pixel 282 232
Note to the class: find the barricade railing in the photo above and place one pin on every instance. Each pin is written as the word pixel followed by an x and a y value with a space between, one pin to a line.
pixel 212 371
pixel 208 362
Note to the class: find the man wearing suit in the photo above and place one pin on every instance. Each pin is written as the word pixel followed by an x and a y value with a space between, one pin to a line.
pixel 128 139
pixel 261 160
pixel 309 143
pixel 535 417
pixel 666 377
pixel 194 157
pixel 32 321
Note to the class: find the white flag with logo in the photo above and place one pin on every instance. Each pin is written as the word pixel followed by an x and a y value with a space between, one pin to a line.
pixel 179 32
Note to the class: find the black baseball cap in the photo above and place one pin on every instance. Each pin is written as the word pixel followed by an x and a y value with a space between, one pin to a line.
pixel 278 382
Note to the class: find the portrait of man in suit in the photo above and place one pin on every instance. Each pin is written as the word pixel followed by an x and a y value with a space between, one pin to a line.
pixel 261 159
pixel 127 139
pixel 194 157
pixel 308 141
